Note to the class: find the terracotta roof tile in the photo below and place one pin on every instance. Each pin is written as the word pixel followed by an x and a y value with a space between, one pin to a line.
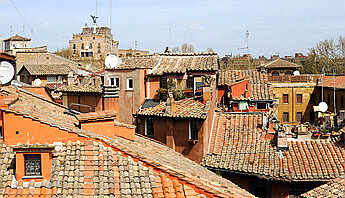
pixel 17 38
pixel 96 116
pixel 40 70
pixel 331 81
pixel 335 187
pixel 106 173
pixel 187 108
pixel 172 63
pixel 260 88
pixel 236 146
pixel 280 63
pixel 80 88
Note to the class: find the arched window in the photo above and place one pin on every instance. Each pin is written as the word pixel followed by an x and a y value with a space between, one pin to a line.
pixel 288 73
pixel 275 73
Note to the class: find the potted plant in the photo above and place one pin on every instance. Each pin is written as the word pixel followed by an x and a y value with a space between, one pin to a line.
pixel 226 108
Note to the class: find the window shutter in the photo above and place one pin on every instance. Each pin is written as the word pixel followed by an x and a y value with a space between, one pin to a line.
pixel 163 83
pixel 190 82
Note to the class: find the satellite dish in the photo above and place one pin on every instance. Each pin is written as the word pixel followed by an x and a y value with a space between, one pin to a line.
pixel 37 82
pixel 323 106
pixel 6 72
pixel 111 61
pixel 296 73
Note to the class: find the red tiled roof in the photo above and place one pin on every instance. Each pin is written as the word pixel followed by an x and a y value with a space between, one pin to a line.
pixel 280 63
pixel 331 81
pixel 17 38
pixel 260 88
pixel 187 108
pixel 172 63
pixel 42 70
pixel 334 188
pixel 112 175
pixel 96 116
pixel 80 88
pixel 54 85
pixel 236 146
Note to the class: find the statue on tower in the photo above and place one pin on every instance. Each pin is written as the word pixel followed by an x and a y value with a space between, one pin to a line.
pixel 94 19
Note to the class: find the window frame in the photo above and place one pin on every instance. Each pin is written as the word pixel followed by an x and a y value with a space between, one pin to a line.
pixel 287 99
pixel 266 106
pixel 116 81
pixel 34 173
pixel 288 117
pixel 59 79
pixel 149 127
pixel 301 118
pixel 299 96
pixel 128 83
pixel 193 130
pixel 50 81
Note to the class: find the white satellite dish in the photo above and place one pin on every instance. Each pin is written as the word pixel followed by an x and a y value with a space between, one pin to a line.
pixel 37 82
pixel 111 61
pixel 296 73
pixel 323 106
pixel 6 72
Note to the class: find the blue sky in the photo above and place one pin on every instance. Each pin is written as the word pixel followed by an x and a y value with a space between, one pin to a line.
pixel 274 26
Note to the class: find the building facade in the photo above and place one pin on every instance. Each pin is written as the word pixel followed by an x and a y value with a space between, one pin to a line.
pixel 93 42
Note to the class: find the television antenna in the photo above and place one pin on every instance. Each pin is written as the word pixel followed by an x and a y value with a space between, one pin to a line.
pixel 247 47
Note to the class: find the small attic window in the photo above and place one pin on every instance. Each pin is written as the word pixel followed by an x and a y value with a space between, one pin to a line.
pixel 32 164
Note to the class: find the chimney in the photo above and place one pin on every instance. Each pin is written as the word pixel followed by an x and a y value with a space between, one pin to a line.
pixel 167 50
pixel 171 105
pixel 70 78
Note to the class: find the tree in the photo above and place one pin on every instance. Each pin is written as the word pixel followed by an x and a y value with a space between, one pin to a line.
pixel 176 49
pixel 64 52
pixel 185 48
pixel 210 49
pixel 328 54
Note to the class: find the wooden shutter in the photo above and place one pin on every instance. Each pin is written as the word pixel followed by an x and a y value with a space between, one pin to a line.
pixel 190 82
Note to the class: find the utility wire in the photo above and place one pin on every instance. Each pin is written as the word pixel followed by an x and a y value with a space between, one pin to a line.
pixel 26 23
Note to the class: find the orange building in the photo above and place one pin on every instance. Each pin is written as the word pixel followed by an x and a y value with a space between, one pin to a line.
pixel 55 153
pixel 280 67
pixel 241 91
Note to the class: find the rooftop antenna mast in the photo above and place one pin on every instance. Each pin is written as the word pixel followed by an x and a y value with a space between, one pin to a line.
pixel 169 36
pixel 248 56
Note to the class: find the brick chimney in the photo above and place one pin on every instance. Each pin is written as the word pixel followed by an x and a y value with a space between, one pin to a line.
pixel 171 105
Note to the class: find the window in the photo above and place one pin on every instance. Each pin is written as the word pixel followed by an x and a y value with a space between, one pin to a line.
pixel 260 190
pixel 80 81
pixel 74 51
pixel 93 38
pixel 242 105
pixel 285 98
pixel 288 73
pixel 14 45
pixel 82 46
pixel 99 51
pixel 275 73
pixel 193 130
pixel 99 45
pixel 313 98
pixel 296 192
pixel 59 79
pixel 51 79
pixel 90 45
pixel 81 38
pixel 129 83
pixel 114 81
pixel 74 47
pixel 149 128
pixel 261 105
pixel 299 117
pixel 299 98
pixel 24 45
pixel 32 164
pixel 286 117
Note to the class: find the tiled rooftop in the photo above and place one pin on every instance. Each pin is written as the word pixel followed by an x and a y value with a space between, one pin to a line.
pixel 187 108
pixel 172 63
pixel 236 146
pixel 41 70
pixel 260 88
pixel 80 88
pixel 111 171
pixel 334 188
pixel 331 81
pixel 280 63
pixel 96 116
pixel 17 38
